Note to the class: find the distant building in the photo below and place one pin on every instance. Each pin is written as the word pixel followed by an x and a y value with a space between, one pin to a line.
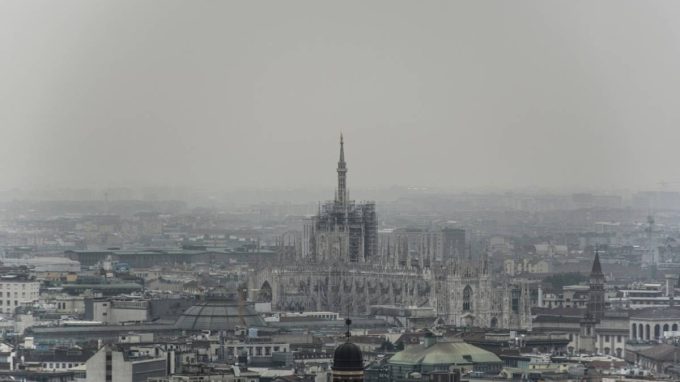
pixel 123 363
pixel 16 291
pixel 517 267
pixel 571 296
pixel 551 250
pixel 116 311
pixel 55 359
pixel 653 324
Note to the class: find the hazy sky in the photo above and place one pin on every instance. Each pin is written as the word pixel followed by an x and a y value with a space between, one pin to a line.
pixel 255 93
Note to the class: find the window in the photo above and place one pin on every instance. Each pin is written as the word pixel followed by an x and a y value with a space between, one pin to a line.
pixel 467 299
pixel 515 300
pixel 618 338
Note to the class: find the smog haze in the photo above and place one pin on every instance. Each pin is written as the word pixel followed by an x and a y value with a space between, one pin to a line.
pixel 561 95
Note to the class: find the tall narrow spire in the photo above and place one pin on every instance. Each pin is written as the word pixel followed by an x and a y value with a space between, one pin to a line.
pixel 596 293
pixel 342 150
pixel 597 268
pixel 341 194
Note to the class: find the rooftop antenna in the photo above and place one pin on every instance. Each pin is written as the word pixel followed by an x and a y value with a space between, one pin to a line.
pixel 348 334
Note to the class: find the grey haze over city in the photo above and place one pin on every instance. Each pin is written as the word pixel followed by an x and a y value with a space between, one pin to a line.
pixel 568 95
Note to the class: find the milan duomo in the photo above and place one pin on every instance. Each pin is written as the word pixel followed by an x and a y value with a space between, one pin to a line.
pixel 341 262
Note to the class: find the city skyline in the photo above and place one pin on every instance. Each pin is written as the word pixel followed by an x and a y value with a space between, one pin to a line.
pixel 348 191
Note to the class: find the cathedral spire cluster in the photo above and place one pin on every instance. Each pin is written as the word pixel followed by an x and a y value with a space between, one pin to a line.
pixel 343 230
pixel 341 193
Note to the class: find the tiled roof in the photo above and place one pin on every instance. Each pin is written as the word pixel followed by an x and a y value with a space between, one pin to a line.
pixel 657 314
pixel 661 353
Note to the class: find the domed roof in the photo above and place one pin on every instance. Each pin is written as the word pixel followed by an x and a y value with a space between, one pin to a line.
pixel 219 314
pixel 348 357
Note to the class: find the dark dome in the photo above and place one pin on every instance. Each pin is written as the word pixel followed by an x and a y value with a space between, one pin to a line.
pixel 348 357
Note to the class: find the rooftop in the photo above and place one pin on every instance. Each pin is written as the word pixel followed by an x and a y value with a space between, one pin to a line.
pixel 444 353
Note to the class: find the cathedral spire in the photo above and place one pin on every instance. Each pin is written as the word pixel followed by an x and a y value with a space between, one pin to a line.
pixel 341 195
pixel 342 150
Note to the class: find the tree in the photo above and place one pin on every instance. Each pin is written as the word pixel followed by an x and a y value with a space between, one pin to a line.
pixel 560 280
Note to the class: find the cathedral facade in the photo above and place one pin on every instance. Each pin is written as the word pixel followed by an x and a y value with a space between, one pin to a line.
pixel 343 265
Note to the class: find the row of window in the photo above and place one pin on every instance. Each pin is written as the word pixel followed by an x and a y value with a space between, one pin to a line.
pixel 58 365
pixel 618 338
pixel 606 338
pixel 618 352
pixel 236 350
pixel 14 286
pixel 640 331
pixel 649 302
pixel 16 294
